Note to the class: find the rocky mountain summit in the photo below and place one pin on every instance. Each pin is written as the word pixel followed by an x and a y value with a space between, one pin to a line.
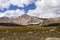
pixel 28 20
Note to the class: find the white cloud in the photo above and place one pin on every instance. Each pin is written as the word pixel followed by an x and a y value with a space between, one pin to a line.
pixel 4 4
pixel 19 3
pixel 1 14
pixel 46 9
pixel 12 13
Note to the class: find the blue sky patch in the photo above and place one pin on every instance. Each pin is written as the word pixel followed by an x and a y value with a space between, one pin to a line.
pixel 26 8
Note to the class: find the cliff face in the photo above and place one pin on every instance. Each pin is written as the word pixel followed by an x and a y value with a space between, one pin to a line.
pixel 27 20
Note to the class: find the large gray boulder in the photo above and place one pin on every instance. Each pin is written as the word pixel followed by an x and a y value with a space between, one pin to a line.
pixel 52 38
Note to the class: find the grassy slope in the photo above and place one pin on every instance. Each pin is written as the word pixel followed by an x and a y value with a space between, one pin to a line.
pixel 19 28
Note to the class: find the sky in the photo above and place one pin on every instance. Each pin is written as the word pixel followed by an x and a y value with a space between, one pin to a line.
pixel 37 8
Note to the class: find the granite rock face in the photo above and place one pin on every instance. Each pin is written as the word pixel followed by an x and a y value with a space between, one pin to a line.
pixel 28 20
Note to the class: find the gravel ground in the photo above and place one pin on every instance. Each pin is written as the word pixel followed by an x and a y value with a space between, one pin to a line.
pixel 28 35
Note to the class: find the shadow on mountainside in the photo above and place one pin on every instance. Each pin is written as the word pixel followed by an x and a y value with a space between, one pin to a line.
pixel 17 25
pixel 53 25
pixel 9 24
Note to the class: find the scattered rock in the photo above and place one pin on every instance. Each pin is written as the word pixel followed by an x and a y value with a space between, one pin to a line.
pixel 52 38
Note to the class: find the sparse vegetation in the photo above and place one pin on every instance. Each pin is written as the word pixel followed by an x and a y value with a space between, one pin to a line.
pixel 28 33
pixel 20 28
pixel 10 31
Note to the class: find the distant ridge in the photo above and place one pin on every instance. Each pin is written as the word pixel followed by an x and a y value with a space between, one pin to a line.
pixel 28 20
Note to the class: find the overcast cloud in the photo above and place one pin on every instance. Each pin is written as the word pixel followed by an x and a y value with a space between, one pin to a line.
pixel 44 8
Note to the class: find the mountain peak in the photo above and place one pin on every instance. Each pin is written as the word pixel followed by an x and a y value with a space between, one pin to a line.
pixel 27 20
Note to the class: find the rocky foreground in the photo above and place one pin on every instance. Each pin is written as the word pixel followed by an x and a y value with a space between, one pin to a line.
pixel 28 33
pixel 30 36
